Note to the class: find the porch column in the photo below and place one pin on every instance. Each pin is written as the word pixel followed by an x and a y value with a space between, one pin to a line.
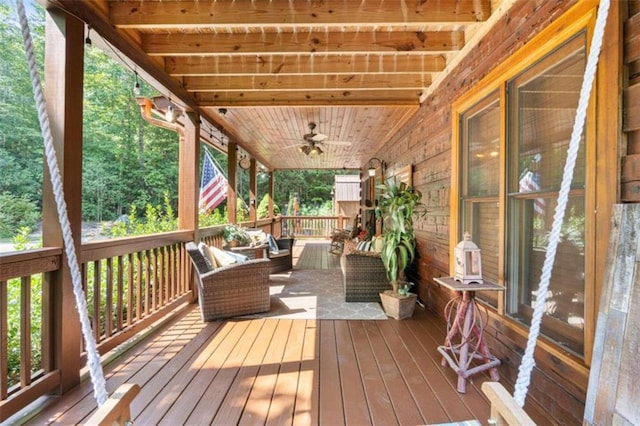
pixel 270 190
pixel 188 172
pixel 232 161
pixel 253 191
pixel 63 77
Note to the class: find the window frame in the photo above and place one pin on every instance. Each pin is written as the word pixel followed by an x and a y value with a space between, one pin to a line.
pixel 580 17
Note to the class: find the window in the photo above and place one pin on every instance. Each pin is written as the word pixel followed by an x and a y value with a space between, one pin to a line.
pixel 542 103
pixel 512 144
pixel 480 138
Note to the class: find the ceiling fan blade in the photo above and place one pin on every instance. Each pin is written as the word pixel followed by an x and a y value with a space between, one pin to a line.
pixel 295 145
pixel 317 137
pixel 343 143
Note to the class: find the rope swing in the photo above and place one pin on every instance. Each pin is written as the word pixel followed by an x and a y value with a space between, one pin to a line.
pixel 526 366
pixel 93 357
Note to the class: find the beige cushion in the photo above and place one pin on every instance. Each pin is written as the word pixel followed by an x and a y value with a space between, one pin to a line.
pixel 208 255
pixel 377 243
pixel 257 237
pixel 222 257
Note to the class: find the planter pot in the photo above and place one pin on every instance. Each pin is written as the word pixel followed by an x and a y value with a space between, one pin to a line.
pixel 397 306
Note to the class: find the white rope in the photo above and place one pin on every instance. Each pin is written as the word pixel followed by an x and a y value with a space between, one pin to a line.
pixel 93 357
pixel 526 366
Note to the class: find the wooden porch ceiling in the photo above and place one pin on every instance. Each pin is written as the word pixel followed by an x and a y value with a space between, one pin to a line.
pixel 358 69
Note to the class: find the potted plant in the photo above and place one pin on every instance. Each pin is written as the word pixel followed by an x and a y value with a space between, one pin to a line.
pixel 235 235
pixel 398 205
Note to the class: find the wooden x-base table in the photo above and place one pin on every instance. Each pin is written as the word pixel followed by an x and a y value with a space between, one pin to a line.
pixel 465 342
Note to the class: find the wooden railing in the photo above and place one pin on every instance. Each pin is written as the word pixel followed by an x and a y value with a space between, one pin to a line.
pixel 313 226
pixel 129 284
pixel 25 356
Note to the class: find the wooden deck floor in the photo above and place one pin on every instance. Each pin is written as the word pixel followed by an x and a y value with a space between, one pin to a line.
pixel 302 372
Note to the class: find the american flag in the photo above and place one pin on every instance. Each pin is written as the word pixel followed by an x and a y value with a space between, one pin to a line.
pixel 213 187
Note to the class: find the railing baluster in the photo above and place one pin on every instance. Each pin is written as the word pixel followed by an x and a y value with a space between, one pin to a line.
pixel 25 331
pixel 4 349
pixel 119 294
pixel 108 312
pixel 146 283
pixel 139 294
pixel 96 300
pixel 153 278
pixel 131 297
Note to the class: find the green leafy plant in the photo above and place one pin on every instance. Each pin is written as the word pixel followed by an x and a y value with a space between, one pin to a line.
pixel 236 233
pixel 398 205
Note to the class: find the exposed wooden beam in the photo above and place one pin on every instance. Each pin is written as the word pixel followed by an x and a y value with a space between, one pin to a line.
pixel 90 12
pixel 307 82
pixel 293 98
pixel 176 44
pixel 281 13
pixel 386 63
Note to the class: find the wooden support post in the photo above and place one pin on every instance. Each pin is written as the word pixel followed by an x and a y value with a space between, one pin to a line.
pixel 253 191
pixel 232 162
pixel 64 70
pixel 188 172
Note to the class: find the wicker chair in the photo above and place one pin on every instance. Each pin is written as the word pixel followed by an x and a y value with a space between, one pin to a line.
pixel 340 235
pixel 237 289
pixel 363 276
pixel 282 261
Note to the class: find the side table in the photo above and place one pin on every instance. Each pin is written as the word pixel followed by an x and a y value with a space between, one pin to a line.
pixel 465 341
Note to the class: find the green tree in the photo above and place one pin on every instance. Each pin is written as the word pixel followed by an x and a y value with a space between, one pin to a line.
pixel 20 138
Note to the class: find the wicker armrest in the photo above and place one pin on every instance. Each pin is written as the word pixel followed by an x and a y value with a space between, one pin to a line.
pixel 236 289
pixel 363 276
pixel 282 261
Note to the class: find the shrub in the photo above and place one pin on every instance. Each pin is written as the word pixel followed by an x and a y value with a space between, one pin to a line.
pixel 16 212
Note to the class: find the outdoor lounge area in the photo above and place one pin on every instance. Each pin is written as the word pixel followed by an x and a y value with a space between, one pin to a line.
pixel 286 371
pixel 514 122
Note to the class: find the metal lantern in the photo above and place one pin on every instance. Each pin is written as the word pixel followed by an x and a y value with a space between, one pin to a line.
pixel 468 268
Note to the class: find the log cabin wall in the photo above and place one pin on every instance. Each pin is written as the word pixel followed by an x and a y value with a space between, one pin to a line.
pixel 630 190
pixel 558 386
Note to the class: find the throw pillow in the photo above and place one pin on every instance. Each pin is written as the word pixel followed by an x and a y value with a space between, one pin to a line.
pixel 377 244
pixel 364 245
pixel 273 245
pixel 208 256
pixel 240 258
pixel 222 257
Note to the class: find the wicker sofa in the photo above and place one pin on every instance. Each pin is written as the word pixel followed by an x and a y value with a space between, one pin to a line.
pixel 363 276
pixel 227 291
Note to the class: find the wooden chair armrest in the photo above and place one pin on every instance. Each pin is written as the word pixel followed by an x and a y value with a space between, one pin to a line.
pixel 116 410
pixel 504 410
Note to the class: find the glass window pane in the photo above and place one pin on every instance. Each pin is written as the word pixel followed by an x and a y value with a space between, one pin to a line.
pixel 564 321
pixel 481 142
pixel 545 98
pixel 543 101
pixel 483 225
pixel 480 181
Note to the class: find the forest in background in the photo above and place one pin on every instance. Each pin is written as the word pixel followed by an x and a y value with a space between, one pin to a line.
pixel 129 166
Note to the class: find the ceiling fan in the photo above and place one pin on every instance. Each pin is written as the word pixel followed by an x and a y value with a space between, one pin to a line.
pixel 313 141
